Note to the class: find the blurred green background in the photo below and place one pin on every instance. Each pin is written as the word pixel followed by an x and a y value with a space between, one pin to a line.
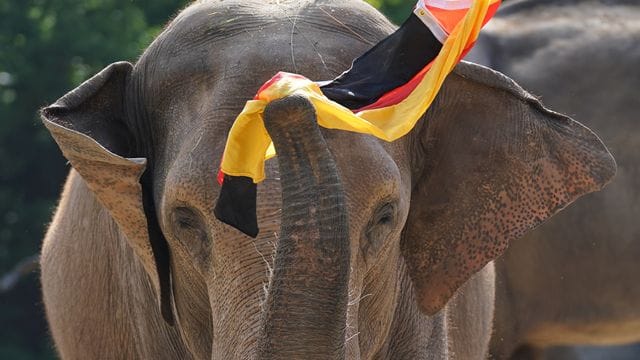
pixel 48 47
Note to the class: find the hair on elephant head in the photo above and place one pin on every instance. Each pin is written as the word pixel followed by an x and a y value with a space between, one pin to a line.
pixel 362 243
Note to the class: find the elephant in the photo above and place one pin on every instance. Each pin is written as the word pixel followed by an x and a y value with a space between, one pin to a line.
pixel 611 352
pixel 367 249
pixel 581 57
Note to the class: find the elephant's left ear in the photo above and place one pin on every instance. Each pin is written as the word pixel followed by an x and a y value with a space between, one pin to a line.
pixel 90 126
pixel 490 164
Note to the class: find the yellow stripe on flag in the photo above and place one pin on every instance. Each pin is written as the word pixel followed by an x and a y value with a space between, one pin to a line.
pixel 249 144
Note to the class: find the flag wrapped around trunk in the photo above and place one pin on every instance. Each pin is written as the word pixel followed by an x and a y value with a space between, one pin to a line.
pixel 384 93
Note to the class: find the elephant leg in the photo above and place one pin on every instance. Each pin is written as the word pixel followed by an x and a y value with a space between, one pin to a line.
pixel 561 353
pixel 527 352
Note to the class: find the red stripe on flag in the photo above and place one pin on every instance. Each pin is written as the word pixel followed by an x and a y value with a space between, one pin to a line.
pixel 400 93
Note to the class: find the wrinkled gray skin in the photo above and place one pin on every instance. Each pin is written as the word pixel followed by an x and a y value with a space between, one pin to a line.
pixel 364 245
pixel 574 280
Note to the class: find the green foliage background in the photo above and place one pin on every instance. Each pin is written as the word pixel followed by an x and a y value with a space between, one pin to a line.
pixel 48 47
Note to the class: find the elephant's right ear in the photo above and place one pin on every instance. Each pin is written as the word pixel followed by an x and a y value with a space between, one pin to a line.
pixel 90 126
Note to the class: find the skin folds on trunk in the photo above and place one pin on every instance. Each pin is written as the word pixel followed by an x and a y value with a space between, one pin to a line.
pixel 306 303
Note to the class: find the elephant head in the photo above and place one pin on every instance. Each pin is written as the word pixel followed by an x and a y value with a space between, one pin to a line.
pixel 358 236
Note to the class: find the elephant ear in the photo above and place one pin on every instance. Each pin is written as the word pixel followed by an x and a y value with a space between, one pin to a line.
pixel 491 163
pixel 89 125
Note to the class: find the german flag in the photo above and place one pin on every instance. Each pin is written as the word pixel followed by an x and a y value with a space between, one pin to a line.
pixel 384 94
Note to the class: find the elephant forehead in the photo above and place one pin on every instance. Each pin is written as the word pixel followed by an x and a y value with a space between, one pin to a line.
pixel 197 75
pixel 316 39
pixel 231 17
pixel 370 171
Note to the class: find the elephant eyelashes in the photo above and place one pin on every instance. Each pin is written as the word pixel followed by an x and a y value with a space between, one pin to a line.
pixel 385 219
pixel 185 223
pixel 187 226
pixel 189 231
pixel 385 214
pixel 379 228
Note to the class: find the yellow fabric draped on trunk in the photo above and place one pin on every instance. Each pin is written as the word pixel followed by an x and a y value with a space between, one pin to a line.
pixel 249 144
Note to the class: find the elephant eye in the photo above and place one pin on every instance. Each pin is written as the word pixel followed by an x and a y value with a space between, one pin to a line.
pixel 190 236
pixel 184 217
pixel 385 214
pixel 379 228
pixel 187 225
pixel 385 219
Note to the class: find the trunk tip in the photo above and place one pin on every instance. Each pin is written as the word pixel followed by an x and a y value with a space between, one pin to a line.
pixel 289 111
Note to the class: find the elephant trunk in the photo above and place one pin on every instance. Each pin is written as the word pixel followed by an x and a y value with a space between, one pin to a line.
pixel 306 303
